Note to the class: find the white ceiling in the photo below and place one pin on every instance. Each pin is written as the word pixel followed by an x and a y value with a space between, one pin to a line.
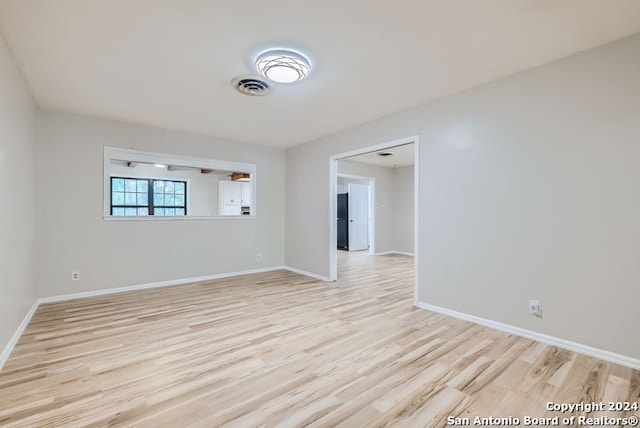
pixel 168 63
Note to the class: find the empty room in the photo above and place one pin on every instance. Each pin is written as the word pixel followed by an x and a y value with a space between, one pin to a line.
pixel 296 214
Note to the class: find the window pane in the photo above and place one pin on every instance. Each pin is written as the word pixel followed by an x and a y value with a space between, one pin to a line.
pixel 130 185
pixel 129 199
pixel 117 184
pixel 133 194
pixel 117 198
pixel 143 199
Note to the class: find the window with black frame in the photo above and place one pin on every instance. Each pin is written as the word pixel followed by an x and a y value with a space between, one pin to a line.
pixel 147 196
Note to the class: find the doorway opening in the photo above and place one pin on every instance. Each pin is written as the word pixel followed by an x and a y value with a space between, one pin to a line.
pixel 374 195
pixel 355 214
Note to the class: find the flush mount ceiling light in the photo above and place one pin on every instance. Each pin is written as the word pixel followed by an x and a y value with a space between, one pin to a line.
pixel 282 65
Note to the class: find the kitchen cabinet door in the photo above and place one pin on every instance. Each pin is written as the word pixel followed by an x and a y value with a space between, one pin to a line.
pixel 230 198
pixel 246 194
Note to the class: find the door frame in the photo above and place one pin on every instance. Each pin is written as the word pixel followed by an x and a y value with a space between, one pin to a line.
pixel 372 212
pixel 333 185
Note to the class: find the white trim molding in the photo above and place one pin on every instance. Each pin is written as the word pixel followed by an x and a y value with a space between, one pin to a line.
pixel 386 253
pixel 51 299
pixel 306 273
pixel 550 340
pixel 154 285
pixel 123 154
pixel 4 356
pixel 612 357
pixel 333 185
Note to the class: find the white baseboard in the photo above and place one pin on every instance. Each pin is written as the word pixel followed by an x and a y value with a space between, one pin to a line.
pixel 624 360
pixel 385 253
pixel 16 335
pixel 305 273
pixel 551 340
pixel 51 299
pixel 153 285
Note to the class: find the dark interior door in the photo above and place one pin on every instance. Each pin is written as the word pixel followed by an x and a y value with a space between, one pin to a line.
pixel 343 221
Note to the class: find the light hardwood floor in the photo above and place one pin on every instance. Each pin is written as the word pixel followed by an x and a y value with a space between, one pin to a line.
pixel 280 349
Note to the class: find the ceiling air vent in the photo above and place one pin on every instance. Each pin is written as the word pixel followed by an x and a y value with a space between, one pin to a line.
pixel 251 86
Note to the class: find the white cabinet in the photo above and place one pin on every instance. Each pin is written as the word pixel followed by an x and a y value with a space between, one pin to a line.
pixel 246 194
pixel 235 197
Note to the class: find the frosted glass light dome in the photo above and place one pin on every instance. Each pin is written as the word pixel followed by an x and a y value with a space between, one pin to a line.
pixel 283 66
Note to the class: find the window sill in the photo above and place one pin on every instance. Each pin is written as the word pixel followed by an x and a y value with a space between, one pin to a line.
pixel 175 218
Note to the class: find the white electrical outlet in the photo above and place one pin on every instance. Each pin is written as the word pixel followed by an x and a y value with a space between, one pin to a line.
pixel 75 276
pixel 534 308
pixel 258 257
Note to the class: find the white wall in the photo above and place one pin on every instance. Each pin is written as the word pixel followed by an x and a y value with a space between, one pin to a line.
pixel 403 209
pixel 74 236
pixel 529 188
pixel 17 197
